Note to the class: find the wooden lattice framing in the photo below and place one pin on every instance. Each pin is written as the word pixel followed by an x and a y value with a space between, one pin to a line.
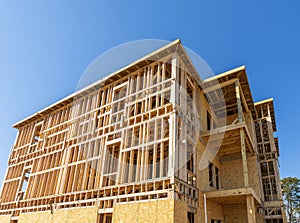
pixel 112 143
pixel 142 134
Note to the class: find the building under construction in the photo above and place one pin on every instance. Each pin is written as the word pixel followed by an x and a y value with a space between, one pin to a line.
pixel 151 142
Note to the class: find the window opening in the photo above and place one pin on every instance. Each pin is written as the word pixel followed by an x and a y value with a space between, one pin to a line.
pixel 37 133
pixel 214 176
pixel 191 217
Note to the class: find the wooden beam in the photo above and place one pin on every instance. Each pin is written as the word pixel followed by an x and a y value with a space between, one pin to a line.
pixel 238 99
pixel 251 210
pixel 217 85
pixel 244 158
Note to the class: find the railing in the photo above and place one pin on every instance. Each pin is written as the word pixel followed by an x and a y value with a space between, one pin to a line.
pixel 186 193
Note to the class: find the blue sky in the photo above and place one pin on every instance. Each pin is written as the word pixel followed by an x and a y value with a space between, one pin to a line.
pixel 45 46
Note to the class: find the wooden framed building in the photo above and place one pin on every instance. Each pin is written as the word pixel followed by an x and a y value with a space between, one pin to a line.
pixel 151 142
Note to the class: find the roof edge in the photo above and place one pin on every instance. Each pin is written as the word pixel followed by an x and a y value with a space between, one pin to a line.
pixel 72 95
pixel 234 70
pixel 264 101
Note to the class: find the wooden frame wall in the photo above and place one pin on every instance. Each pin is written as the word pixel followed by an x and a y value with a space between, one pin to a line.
pixel 117 141
pixel 268 160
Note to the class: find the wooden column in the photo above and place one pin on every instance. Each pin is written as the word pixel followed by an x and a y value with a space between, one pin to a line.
pixel 251 209
pixel 175 86
pixel 173 119
pixel 244 158
pixel 172 145
pixel 238 101
pixel 242 134
pixel 182 143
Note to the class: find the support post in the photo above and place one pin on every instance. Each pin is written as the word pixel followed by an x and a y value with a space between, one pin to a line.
pixel 251 209
pixel 242 134
pixel 173 120
pixel 238 101
pixel 244 158
pixel 172 146
pixel 174 87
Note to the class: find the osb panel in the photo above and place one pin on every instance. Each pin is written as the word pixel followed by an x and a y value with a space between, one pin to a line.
pixel 78 215
pixel 214 210
pixel 232 174
pixel 236 218
pixel 202 168
pixel 5 218
pixel 160 211
pixel 180 214
pixel 36 217
pixel 235 213
pixel 253 174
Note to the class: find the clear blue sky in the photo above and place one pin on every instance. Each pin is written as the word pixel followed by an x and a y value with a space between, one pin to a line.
pixel 45 46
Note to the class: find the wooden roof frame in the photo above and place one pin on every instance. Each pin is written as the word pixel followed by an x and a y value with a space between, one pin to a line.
pixel 172 47
pixel 229 77
pixel 268 102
